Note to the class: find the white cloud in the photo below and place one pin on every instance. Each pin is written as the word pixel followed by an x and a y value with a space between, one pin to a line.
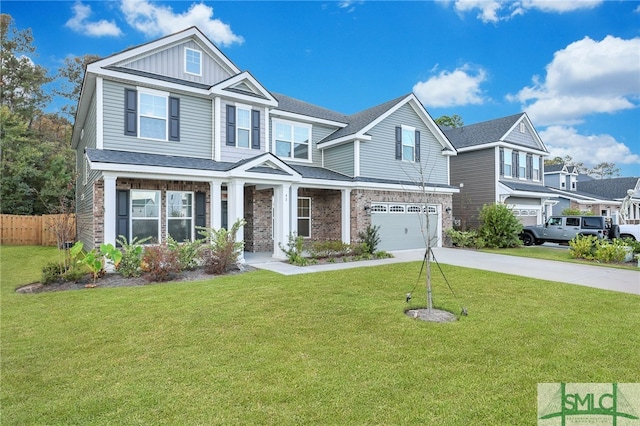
pixel 499 10
pixel 452 88
pixel 588 149
pixel 80 24
pixel 157 20
pixel 586 77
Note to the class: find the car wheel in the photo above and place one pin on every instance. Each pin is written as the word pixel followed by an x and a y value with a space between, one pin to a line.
pixel 631 237
pixel 527 239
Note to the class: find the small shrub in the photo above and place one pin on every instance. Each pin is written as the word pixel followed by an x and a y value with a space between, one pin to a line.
pixel 371 237
pixel 131 256
pixel 294 250
pixel 75 273
pixel 159 263
pixel 328 248
pixel 221 251
pixel 380 254
pixel 500 228
pixel 51 273
pixel 358 249
pixel 187 252
pixel 630 242
pixel 583 247
pixel 610 251
pixel 462 238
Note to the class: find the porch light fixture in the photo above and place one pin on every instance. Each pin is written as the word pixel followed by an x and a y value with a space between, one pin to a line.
pixel 448 210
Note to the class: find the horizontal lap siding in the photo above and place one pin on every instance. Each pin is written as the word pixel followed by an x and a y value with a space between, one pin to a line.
pixel 377 156
pixel 476 170
pixel 232 153
pixel 340 159
pixel 195 127
pixel 523 139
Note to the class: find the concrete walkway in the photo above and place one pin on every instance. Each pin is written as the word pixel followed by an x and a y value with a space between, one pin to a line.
pixel 622 280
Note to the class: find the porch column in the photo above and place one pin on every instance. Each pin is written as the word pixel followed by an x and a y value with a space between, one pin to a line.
pixel 109 229
pixel 345 203
pixel 235 203
pixel 293 215
pixel 215 205
pixel 282 206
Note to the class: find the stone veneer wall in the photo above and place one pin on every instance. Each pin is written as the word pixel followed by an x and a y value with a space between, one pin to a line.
pixel 157 185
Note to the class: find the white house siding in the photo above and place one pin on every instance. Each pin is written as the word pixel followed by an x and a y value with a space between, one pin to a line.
pixel 340 159
pixel 170 62
pixel 195 126
pixel 377 156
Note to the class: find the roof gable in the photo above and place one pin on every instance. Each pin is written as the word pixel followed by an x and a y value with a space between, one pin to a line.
pixel 245 87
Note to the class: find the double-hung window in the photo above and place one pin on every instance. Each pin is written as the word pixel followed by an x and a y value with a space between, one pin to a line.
pixel 292 140
pixel 180 215
pixel 145 214
pixel 522 165
pixel 507 158
pixel 535 162
pixel 408 143
pixel 192 61
pixel 153 116
pixel 243 127
pixel 304 217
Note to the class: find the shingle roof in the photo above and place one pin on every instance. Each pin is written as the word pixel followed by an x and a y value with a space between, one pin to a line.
pixel 480 133
pixel 289 104
pixel 553 168
pixel 159 77
pixel 156 160
pixel 615 188
pixel 527 187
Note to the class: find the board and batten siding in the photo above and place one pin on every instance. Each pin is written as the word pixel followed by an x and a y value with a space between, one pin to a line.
pixel 195 126
pixel 477 171
pixel 523 139
pixel 340 159
pixel 377 156
pixel 169 62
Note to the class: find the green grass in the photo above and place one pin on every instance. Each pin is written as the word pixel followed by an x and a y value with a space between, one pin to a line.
pixel 330 348
pixel 558 254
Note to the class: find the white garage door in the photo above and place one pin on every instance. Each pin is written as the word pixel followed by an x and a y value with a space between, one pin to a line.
pixel 405 226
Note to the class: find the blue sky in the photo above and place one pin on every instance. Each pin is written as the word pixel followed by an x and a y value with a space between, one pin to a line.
pixel 573 66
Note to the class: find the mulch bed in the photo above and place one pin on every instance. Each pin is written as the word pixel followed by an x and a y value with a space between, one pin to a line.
pixel 117 280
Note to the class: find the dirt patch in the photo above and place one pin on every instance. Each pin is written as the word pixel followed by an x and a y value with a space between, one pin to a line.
pixel 436 315
pixel 117 280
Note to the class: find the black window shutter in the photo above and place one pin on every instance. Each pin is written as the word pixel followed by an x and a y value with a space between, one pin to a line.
pixel 501 162
pixel 130 112
pixel 398 143
pixel 122 214
pixel 201 210
pixel 417 146
pixel 514 164
pixel 255 129
pixel 231 125
pixel 174 119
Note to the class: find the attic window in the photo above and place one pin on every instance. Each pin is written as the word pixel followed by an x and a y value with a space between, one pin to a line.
pixel 523 127
pixel 192 61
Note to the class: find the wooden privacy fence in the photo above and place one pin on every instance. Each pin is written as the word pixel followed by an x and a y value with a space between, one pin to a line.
pixel 35 230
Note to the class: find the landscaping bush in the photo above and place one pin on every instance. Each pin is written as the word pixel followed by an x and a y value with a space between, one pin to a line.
pixel 221 251
pixel 500 228
pixel 608 251
pixel 630 242
pixel 159 263
pixel 187 252
pixel 131 256
pixel 294 250
pixel 583 247
pixel 328 248
pixel 370 237
pixel 51 273
pixel 463 238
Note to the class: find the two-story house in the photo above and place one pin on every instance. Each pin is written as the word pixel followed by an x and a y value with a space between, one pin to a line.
pixel 499 161
pixel 172 135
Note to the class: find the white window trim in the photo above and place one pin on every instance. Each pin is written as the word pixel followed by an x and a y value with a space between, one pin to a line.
pixel 158 93
pixel 188 49
pixel 131 218
pixel 193 212
pixel 246 108
pixel 523 127
pixel 409 129
pixel 507 154
pixel 520 165
pixel 305 217
pixel 535 162
pixel 309 159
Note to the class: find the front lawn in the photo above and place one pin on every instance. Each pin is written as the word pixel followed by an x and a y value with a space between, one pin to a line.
pixel 325 348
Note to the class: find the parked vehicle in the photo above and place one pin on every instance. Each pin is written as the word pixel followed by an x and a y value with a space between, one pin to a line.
pixel 562 229
pixel 630 231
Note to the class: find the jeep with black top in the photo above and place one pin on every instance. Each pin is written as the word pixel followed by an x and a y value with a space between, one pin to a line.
pixel 562 229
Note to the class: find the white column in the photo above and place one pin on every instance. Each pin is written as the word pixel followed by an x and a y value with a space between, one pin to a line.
pixel 215 205
pixel 345 203
pixel 282 206
pixel 109 208
pixel 235 202
pixel 293 210
pixel 217 129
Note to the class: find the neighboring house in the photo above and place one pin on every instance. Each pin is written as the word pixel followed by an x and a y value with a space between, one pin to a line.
pixel 565 180
pixel 172 135
pixel 499 161
pixel 616 189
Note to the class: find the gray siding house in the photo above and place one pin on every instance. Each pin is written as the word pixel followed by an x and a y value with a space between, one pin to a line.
pixel 499 161
pixel 172 135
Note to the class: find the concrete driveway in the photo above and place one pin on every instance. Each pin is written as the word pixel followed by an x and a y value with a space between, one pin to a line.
pixel 622 280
